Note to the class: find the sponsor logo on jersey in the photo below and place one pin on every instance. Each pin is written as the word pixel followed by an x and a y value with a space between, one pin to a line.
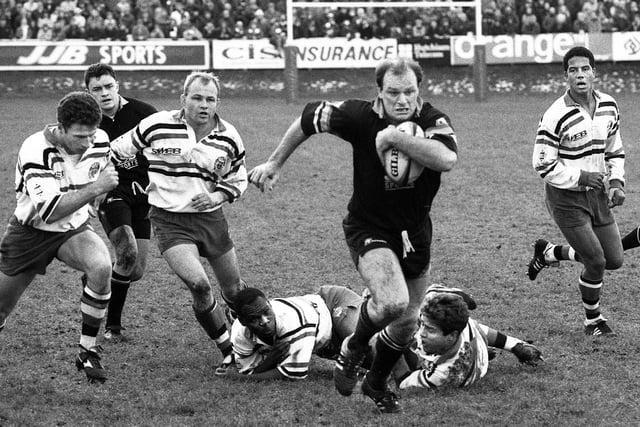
pixel 577 136
pixel 93 170
pixel 166 151
pixel 128 163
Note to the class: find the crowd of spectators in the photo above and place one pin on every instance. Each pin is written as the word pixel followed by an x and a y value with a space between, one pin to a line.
pixel 256 19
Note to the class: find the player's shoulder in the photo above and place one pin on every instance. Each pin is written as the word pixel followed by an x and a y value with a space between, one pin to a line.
pixel 168 117
pixel 229 128
pixel 430 116
pixel 557 110
pixel 605 97
pixel 35 144
pixel 140 106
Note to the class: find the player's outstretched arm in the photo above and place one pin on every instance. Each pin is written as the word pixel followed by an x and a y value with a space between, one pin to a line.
pixel 526 353
pixel 266 175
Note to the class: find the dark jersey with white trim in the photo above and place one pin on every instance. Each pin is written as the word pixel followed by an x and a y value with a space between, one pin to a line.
pixel 127 117
pixel 376 199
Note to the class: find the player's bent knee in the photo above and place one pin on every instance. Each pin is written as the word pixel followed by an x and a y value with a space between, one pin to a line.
pixel 200 289
pixel 127 257
pixel 394 310
pixel 614 263
pixel 99 276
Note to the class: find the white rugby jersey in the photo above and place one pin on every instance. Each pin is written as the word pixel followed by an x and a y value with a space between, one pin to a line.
pixel 570 140
pixel 303 321
pixel 44 174
pixel 180 167
pixel 469 363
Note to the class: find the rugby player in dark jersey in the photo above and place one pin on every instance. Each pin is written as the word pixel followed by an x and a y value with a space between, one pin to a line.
pixel 124 212
pixel 387 228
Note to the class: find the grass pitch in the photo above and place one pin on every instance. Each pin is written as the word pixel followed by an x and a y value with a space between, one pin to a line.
pixel 289 241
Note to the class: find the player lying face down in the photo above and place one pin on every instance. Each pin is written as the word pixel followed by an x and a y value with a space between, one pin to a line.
pixel 452 349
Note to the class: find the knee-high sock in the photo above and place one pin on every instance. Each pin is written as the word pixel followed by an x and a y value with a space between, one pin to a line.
pixel 119 288
pixel 388 351
pixel 212 321
pixel 93 307
pixel 365 329
pixel 631 240
pixel 590 292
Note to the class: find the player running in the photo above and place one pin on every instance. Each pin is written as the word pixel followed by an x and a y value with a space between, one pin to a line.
pixel 61 170
pixel 196 164
pixel 124 212
pixel 388 227
pixel 578 153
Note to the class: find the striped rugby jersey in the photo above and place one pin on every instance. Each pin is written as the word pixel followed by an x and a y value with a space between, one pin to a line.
pixel 181 167
pixel 466 366
pixel 570 140
pixel 303 321
pixel 44 174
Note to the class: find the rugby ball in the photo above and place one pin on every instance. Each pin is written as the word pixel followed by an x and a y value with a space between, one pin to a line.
pixel 399 167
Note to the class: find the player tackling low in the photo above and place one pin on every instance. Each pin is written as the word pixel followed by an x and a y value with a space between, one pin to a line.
pixel 387 228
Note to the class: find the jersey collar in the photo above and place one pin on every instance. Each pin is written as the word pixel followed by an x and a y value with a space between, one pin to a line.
pixel 570 102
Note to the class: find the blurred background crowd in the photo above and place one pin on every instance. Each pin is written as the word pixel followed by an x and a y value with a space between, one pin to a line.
pixel 256 19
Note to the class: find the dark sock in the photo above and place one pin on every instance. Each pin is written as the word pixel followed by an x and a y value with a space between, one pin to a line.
pixel 387 354
pixel 631 240
pixel 119 288
pixel 365 329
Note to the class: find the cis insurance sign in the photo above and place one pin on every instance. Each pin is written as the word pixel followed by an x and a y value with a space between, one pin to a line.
pixel 529 49
pixel 129 55
pixel 320 52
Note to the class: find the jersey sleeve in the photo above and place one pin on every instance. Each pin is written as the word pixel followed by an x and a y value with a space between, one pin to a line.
pixel 614 152
pixel 247 355
pixel 233 180
pixel 336 118
pixel 35 175
pixel 443 132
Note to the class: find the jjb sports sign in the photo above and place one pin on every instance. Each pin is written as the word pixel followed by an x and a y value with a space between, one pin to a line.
pixel 78 54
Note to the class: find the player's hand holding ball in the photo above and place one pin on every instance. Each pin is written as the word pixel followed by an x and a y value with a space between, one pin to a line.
pixel 399 167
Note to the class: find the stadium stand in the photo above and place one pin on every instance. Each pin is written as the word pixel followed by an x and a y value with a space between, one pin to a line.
pixel 253 19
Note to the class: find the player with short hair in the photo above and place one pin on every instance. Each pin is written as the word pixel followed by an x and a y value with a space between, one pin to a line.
pixel 124 212
pixel 60 170
pixel 578 153
pixel 196 164
pixel 450 348
pixel 388 228
pixel 274 339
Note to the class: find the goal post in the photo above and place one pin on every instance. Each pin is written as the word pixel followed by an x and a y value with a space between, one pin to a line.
pixel 479 67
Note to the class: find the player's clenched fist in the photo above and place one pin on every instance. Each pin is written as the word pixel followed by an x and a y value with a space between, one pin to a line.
pixel 107 180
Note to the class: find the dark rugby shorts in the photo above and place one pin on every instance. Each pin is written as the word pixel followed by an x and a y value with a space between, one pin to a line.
pixel 362 237
pixel 576 208
pixel 24 248
pixel 344 306
pixel 209 231
pixel 126 206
